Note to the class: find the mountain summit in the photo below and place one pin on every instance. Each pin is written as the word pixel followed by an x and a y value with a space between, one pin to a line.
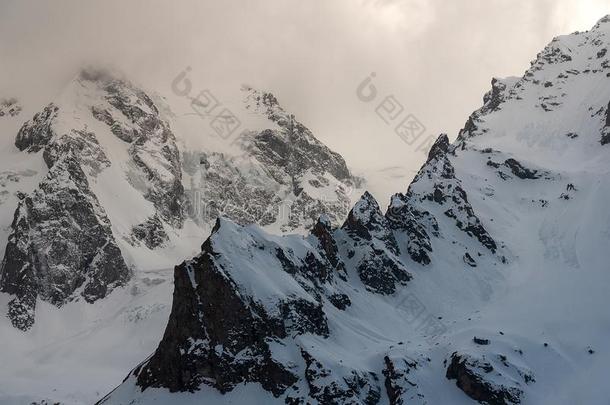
pixel 117 193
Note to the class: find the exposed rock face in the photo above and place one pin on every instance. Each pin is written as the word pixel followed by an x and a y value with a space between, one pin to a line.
pixel 606 129
pixel 36 133
pixel 517 169
pixel 326 388
pixel 495 97
pixel 9 107
pixel 248 191
pixel 210 300
pixel 151 233
pixel 133 117
pixel 501 91
pixel 378 264
pixel 224 186
pixel 210 356
pixel 404 216
pixel 482 382
pixel 400 382
pixel 82 145
pixel 520 171
pixel 61 246
pixel 435 191
pixel 293 147
pixel 295 158
pixel 328 246
pixel 284 176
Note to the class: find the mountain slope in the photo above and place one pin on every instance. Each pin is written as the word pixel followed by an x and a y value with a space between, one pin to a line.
pixel 281 176
pixel 485 281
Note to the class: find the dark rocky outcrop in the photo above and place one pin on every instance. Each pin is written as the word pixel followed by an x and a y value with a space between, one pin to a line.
pixel 323 232
pixel 150 232
pixel 205 341
pixel 400 385
pixel 358 387
pixel 492 101
pixel 61 246
pixel 480 341
pixel 495 97
pixel 202 347
pixel 293 147
pixel 469 260
pixel 471 376
pixel 605 139
pixel 435 191
pixel 36 133
pixel 378 266
pixel 417 224
pixel 365 222
pixel 520 171
pixel 381 272
pixel 286 171
pixel 340 301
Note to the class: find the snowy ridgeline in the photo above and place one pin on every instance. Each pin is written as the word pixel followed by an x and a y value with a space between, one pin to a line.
pixel 484 280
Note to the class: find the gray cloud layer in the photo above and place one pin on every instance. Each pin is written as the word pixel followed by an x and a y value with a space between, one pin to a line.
pixel 436 57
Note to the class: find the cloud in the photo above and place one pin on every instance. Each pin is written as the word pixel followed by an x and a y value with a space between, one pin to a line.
pixel 436 57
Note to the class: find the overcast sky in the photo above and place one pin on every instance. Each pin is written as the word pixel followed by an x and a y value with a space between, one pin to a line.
pixel 436 57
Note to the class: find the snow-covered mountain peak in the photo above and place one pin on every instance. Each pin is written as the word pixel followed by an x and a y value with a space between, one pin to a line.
pixel 366 220
pixel 557 112
pixel 265 103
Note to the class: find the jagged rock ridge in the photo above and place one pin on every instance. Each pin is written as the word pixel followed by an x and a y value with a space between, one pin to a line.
pixel 283 177
pixel 61 245
pixel 211 347
pixel 285 289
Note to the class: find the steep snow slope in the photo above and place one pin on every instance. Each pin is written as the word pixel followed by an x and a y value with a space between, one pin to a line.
pixel 486 280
